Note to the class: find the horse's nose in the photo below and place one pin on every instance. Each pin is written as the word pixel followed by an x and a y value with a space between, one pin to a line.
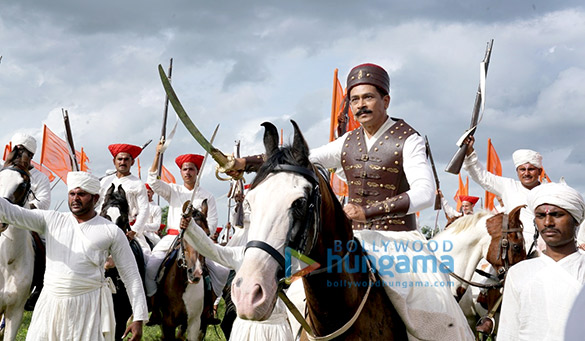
pixel 250 299
pixel 194 275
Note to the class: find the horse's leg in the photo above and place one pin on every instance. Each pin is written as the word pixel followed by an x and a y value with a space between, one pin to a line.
pixel 13 318
pixel 193 298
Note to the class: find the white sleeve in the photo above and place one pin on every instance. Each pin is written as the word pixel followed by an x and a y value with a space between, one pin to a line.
pixel 32 220
pixel 418 174
pixel 228 256
pixel 126 264
pixel 155 217
pixel 41 190
pixel 488 181
pixel 449 210
pixel 329 155
pixel 211 213
pixel 159 187
pixel 143 206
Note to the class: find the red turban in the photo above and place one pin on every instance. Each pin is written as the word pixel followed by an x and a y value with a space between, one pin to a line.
pixel 116 149
pixel 193 158
pixel 469 198
pixel 148 187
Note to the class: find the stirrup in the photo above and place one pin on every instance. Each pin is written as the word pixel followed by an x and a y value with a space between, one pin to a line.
pixel 483 320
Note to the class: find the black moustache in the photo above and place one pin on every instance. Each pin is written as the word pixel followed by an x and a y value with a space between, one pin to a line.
pixel 363 111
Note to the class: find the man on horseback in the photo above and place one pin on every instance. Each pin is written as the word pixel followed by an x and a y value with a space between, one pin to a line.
pixel 176 195
pixel 467 204
pixel 514 193
pixel 76 302
pixel 40 197
pixel 124 156
pixel 389 179
pixel 540 292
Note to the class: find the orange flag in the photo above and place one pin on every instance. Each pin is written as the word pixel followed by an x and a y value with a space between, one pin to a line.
pixel 44 171
pixel 494 166
pixel 462 190
pixel 7 150
pixel 166 176
pixel 55 154
pixel 83 160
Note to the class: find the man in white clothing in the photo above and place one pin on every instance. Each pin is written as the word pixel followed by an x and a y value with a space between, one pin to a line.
pixel 513 192
pixel 176 195
pixel 539 292
pixel 124 157
pixel 152 226
pixel 76 302
pixel 23 150
pixel 467 204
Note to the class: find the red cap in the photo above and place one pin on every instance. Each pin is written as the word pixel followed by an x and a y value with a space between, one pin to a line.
pixel 469 198
pixel 368 74
pixel 193 158
pixel 133 150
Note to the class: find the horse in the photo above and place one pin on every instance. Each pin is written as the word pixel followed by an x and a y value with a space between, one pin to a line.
pixel 16 253
pixel 293 206
pixel 182 289
pixel 116 209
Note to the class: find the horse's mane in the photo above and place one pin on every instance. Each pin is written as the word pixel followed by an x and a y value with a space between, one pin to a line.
pixel 467 221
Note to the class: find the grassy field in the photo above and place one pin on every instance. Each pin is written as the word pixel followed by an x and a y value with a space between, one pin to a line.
pixel 214 333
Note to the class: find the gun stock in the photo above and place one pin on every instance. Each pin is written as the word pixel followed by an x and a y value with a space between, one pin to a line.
pixel 454 166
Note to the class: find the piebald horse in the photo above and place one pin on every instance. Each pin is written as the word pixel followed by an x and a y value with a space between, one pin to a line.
pixel 181 292
pixel 16 253
pixel 292 205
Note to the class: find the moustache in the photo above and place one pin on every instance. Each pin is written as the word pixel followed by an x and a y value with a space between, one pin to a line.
pixel 363 111
pixel 546 229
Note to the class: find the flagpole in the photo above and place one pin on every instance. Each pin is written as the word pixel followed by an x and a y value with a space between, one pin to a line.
pixel 333 108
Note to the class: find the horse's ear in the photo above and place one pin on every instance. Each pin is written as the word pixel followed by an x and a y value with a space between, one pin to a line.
pixel 300 149
pixel 270 138
pixel 204 207
pixel 121 191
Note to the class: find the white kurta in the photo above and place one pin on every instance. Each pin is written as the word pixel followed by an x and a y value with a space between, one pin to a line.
pixel 137 202
pixel 153 222
pixel 74 302
pixel 176 196
pixel 449 210
pixel 512 192
pixel 428 312
pixel 40 187
pixel 538 296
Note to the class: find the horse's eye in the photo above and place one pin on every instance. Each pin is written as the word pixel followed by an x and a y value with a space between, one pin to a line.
pixel 517 247
pixel 298 206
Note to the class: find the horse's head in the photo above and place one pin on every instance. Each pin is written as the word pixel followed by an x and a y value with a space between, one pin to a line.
pixel 507 241
pixel 14 184
pixel 190 258
pixel 115 207
pixel 286 203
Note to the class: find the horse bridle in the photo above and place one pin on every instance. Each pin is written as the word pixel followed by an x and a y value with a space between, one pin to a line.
pixel 25 185
pixel 312 223
pixel 504 246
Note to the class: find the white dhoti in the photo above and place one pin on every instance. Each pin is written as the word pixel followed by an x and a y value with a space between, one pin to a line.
pixel 74 308
pixel 421 296
pixel 275 328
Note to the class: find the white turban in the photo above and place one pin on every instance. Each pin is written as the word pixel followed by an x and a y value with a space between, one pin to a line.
pixel 83 180
pixel 522 156
pixel 26 141
pixel 559 195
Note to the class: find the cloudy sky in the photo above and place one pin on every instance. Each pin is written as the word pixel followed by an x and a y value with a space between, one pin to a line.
pixel 239 63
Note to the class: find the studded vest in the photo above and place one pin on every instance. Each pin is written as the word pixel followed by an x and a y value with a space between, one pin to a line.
pixel 376 178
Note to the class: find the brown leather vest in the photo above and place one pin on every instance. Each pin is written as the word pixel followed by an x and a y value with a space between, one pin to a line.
pixel 376 178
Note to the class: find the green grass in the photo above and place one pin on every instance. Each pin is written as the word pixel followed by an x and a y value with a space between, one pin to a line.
pixel 214 333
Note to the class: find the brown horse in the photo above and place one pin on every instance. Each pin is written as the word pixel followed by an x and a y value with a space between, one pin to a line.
pixel 506 249
pixel 292 206
pixel 182 289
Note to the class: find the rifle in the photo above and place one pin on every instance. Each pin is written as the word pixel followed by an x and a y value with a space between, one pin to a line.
pixel 74 164
pixel 163 133
pixel 454 166
pixel 437 196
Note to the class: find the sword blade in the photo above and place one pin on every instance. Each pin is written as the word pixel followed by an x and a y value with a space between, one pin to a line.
pixel 215 153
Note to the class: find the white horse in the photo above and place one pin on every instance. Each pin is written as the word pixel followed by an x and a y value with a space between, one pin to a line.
pixel 16 255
